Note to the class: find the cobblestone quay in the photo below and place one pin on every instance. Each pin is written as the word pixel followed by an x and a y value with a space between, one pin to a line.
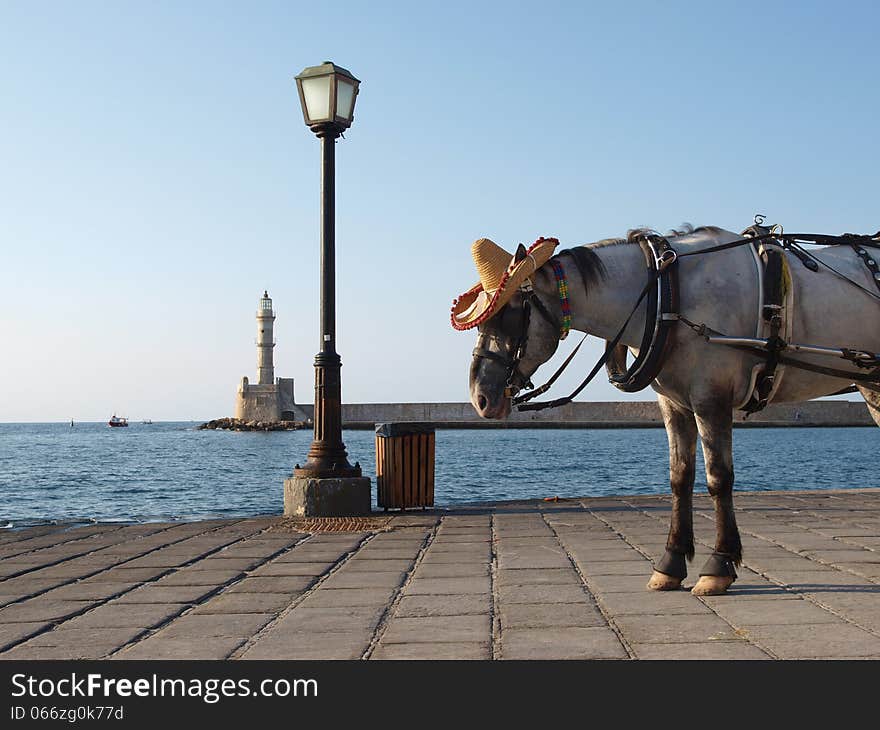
pixel 524 580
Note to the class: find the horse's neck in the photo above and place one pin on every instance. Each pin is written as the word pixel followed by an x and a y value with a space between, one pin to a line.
pixel 602 309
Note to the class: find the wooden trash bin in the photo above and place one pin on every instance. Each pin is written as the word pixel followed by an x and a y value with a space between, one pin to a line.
pixel 404 465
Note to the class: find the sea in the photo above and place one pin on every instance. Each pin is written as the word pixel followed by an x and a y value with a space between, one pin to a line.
pixel 89 472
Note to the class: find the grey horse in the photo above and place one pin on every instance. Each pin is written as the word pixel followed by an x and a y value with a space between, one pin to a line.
pixel 700 384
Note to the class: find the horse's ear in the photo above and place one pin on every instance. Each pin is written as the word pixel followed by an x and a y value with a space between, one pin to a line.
pixel 520 254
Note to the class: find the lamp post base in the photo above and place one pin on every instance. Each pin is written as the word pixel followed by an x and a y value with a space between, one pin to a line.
pixel 327 497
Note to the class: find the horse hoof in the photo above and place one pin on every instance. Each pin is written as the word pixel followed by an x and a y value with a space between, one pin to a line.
pixel 712 585
pixel 663 582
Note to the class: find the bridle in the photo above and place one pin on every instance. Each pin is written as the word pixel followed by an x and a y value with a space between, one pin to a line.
pixel 515 379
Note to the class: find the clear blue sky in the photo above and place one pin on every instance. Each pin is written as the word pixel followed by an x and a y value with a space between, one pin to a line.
pixel 156 175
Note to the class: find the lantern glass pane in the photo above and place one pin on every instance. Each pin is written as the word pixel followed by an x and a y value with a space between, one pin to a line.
pixel 316 92
pixel 344 98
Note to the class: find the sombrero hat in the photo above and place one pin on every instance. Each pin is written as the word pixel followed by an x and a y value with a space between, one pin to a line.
pixel 501 274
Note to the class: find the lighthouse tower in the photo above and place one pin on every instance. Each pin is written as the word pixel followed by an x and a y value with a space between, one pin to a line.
pixel 265 341
pixel 269 399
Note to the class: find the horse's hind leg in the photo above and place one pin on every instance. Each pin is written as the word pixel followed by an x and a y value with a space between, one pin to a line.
pixel 681 430
pixel 715 424
pixel 872 398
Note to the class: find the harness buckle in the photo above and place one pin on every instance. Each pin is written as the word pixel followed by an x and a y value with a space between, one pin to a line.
pixel 666 259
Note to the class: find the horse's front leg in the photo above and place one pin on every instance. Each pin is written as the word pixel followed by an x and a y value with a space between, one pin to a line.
pixel 715 423
pixel 681 430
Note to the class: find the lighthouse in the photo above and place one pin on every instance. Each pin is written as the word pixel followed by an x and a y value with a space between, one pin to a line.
pixel 265 341
pixel 269 399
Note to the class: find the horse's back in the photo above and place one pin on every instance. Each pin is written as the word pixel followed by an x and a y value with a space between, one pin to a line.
pixel 721 290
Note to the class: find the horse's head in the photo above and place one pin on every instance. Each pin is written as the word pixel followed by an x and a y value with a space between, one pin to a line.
pixel 511 346
pixel 519 315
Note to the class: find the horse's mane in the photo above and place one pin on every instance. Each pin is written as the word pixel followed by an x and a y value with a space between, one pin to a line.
pixel 592 269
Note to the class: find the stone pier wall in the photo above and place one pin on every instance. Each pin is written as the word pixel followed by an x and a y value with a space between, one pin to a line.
pixel 634 414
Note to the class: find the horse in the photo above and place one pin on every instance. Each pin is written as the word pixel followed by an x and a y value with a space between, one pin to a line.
pixel 699 384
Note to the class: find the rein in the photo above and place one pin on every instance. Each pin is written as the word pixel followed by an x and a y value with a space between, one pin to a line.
pixel 664 256
pixel 520 401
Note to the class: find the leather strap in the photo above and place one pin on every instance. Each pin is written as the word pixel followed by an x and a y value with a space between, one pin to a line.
pixel 719 564
pixel 659 318
pixel 672 564
pixel 773 296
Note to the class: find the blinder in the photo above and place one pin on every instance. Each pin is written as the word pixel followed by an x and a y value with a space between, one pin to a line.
pixel 516 380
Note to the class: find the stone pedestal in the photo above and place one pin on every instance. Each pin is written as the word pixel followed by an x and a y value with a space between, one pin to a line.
pixel 309 497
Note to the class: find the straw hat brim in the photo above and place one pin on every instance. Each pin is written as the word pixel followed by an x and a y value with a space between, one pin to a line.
pixel 478 304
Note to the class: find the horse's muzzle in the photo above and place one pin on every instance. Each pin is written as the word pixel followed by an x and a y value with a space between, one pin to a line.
pixel 487 408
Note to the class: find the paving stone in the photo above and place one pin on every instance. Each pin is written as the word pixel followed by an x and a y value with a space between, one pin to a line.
pixel 586 557
pixel 723 650
pixel 274 569
pixel 273 584
pixel 437 628
pixel 13 567
pixel 553 615
pixel 456 558
pixel 221 624
pixel 770 612
pixel 451 570
pixel 664 629
pixel 39 609
pixel 806 581
pixel 155 593
pixel 541 558
pixel 301 555
pixel 434 651
pixel 650 603
pixel 179 647
pixel 547 594
pixel 105 641
pixel 26 585
pixel 866 570
pixel 547 541
pixel 545 576
pixel 401 565
pixel 816 640
pixel 323 620
pixel 194 577
pixel 338 645
pixel 350 597
pixel 563 643
pixel 357 579
pixel 88 591
pixel 25 652
pixel 843 555
pixel 461 540
pixel 865 603
pixel 448 586
pixel 126 615
pixel 16 632
pixel 126 575
pixel 446 605
pixel 244 603
pixel 617 583
pixel 160 560
pixel 218 562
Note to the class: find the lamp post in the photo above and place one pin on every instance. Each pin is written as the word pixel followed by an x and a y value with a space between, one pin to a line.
pixel 327 484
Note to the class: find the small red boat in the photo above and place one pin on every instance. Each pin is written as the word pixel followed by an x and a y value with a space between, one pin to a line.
pixel 115 422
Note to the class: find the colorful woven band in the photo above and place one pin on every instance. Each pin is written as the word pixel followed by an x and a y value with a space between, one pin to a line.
pixel 562 288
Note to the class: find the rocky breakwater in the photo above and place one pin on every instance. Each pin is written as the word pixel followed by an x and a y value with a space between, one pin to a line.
pixel 239 424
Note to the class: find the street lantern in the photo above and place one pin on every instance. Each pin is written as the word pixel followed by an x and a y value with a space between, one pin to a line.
pixel 327 484
pixel 327 94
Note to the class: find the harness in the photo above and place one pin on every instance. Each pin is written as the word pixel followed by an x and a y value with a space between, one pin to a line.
pixel 662 306
pixel 769 245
